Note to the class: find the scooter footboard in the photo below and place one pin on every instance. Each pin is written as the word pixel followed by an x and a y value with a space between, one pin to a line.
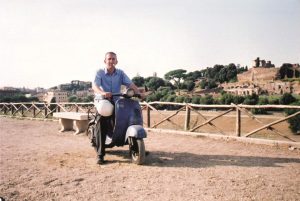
pixel 136 131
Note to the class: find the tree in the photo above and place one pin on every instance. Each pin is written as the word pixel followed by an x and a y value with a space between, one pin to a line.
pixel 138 81
pixel 152 97
pixel 212 84
pixel 72 99
pixel 242 69
pixel 194 75
pixel 154 82
pixel 286 71
pixel 189 85
pixel 231 72
pixel 203 84
pixel 222 75
pixel 52 106
pixel 177 76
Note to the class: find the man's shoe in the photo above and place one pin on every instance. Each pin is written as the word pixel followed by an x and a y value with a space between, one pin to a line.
pixel 100 160
pixel 108 140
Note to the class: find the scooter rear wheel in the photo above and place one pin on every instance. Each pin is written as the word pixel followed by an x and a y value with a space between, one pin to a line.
pixel 137 151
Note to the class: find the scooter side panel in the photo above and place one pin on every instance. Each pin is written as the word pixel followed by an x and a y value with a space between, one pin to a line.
pixel 127 113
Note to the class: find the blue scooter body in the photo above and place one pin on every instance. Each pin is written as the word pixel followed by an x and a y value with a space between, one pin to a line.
pixel 128 121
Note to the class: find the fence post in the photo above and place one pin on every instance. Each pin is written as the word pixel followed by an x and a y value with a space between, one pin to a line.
pixel 238 122
pixel 22 111
pixel 45 111
pixel 5 110
pixel 187 118
pixel 148 116
pixel 12 109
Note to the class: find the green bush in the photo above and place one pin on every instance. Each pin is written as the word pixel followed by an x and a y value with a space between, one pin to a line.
pixel 179 99
pixel 295 121
pixel 261 101
pixel 171 98
pixel 287 99
pixel 238 99
pixel 187 99
pixel 226 99
pixel 251 99
pixel 207 100
pixel 17 98
pixel 196 100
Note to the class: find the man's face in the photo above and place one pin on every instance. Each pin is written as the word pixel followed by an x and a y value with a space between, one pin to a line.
pixel 110 61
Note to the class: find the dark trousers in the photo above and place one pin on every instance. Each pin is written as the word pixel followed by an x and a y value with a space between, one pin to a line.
pixel 103 127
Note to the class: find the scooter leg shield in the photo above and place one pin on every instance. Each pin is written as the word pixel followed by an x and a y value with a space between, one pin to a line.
pixel 136 131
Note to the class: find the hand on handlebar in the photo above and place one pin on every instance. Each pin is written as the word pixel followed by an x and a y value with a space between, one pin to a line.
pixel 142 96
pixel 107 95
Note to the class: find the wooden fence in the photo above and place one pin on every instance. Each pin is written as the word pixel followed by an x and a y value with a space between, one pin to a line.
pixel 222 119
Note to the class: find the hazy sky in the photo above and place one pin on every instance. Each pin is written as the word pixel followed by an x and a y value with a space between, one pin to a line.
pixel 49 42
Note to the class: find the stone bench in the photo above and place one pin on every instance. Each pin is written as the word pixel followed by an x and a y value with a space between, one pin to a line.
pixel 72 121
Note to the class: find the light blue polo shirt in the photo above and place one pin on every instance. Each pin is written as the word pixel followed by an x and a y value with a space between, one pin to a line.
pixel 111 82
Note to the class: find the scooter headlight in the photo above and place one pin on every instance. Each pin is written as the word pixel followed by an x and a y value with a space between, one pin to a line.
pixel 130 92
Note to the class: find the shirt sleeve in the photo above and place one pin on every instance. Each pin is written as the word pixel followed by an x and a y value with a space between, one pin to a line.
pixel 125 80
pixel 98 79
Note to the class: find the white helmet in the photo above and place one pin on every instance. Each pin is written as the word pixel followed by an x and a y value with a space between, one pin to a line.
pixel 104 107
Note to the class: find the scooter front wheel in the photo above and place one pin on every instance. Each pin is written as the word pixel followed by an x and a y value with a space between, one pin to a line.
pixel 137 151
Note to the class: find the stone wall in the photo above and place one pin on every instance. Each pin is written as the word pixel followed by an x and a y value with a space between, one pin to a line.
pixel 259 75
pixel 261 81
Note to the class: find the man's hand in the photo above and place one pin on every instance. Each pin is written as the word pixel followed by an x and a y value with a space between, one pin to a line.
pixel 97 90
pixel 143 96
pixel 107 94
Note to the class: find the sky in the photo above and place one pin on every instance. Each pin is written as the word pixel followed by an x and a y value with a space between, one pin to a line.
pixel 46 43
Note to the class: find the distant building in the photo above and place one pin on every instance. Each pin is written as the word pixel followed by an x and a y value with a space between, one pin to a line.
pixel 262 63
pixel 77 84
pixel 60 96
pixel 264 78
pixel 84 93
pixel 41 96
pixel 40 90
pixel 63 87
pixel 82 83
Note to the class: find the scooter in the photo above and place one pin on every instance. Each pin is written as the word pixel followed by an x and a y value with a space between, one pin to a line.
pixel 127 127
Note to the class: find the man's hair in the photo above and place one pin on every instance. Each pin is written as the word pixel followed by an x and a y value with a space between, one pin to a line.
pixel 112 53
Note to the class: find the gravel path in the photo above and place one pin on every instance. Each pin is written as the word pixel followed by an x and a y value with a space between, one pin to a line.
pixel 39 163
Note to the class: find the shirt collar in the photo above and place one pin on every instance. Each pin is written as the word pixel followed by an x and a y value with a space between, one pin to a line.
pixel 106 72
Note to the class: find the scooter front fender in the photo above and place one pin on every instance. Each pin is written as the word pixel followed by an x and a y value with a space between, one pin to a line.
pixel 136 131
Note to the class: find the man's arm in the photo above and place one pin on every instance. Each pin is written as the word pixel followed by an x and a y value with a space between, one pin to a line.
pixel 134 87
pixel 136 90
pixel 98 90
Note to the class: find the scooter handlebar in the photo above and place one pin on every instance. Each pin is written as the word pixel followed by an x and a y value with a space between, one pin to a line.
pixel 126 96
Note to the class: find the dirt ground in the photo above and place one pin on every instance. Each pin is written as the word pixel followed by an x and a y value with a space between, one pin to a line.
pixel 39 163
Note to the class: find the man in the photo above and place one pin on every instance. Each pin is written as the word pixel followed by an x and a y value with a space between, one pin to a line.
pixel 107 82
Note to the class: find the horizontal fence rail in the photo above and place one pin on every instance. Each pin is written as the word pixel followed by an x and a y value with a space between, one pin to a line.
pixel 232 120
pixel 43 110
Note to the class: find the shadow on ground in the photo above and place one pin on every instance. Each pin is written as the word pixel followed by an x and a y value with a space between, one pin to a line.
pixel 184 159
